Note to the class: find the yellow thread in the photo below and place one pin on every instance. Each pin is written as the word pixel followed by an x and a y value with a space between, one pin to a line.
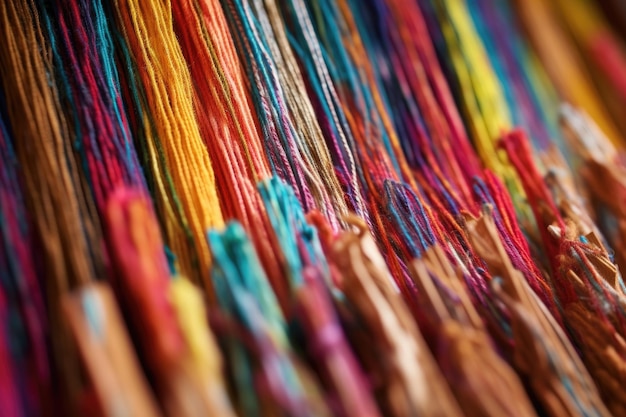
pixel 147 26
pixel 483 97
pixel 191 313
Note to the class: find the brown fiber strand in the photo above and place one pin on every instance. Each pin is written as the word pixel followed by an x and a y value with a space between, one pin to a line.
pixel 483 383
pixel 55 195
pixel 541 353
pixel 603 352
pixel 409 375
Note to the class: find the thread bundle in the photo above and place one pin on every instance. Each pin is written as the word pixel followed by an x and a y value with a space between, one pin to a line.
pixel 312 208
